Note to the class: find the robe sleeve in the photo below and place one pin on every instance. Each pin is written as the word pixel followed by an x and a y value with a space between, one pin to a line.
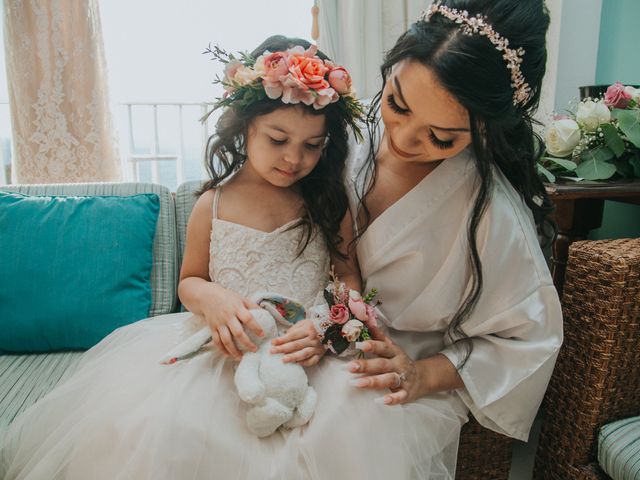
pixel 516 327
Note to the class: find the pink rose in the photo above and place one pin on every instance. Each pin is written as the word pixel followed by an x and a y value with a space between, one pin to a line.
pixel 357 306
pixel 616 96
pixel 339 314
pixel 324 98
pixel 340 80
pixel 372 317
pixel 275 69
pixel 308 69
pixel 351 330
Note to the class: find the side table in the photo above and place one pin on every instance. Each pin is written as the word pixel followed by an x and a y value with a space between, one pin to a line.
pixel 579 208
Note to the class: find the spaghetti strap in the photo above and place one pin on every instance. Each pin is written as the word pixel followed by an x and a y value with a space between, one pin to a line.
pixel 216 200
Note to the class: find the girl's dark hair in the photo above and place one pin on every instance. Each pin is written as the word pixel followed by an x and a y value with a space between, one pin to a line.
pixel 323 190
pixel 474 72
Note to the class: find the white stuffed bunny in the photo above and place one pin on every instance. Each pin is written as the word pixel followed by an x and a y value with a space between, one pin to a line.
pixel 278 392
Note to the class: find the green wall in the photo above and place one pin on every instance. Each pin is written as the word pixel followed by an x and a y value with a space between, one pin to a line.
pixel 619 60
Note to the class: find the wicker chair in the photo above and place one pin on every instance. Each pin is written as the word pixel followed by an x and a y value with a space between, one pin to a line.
pixel 482 454
pixel 597 376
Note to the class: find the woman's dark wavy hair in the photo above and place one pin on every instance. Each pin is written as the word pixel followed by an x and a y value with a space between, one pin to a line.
pixel 474 72
pixel 323 190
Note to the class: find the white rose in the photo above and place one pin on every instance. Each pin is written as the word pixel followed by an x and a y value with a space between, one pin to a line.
pixel 634 92
pixel 351 330
pixel 245 75
pixel 561 137
pixel 591 114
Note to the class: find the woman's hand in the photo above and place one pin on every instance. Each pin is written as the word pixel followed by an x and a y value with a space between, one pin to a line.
pixel 227 316
pixel 301 344
pixel 392 369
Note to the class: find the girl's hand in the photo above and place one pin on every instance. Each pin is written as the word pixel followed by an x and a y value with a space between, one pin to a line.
pixel 392 370
pixel 227 317
pixel 301 344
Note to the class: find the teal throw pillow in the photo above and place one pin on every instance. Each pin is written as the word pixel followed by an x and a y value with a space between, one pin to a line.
pixel 73 268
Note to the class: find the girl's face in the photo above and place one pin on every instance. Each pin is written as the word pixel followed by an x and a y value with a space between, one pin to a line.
pixel 423 121
pixel 285 145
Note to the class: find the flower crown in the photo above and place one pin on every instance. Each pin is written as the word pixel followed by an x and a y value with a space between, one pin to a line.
pixel 478 24
pixel 294 76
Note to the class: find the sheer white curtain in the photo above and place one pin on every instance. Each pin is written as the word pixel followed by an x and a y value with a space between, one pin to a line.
pixel 62 126
pixel 356 33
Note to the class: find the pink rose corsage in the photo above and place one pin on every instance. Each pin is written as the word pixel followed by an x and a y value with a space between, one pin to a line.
pixel 347 319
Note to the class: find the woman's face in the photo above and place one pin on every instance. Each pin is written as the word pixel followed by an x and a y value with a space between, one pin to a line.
pixel 423 121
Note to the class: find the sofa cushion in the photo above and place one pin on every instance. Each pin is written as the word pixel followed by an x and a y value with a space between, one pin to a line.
pixel 185 200
pixel 26 378
pixel 74 268
pixel 619 449
pixel 164 273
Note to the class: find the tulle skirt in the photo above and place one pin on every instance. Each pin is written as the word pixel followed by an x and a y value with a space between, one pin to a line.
pixel 123 415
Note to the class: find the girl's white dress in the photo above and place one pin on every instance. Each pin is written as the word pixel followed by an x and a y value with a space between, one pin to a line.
pixel 123 415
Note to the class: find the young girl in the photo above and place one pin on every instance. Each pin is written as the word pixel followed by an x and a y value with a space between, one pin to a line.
pixel 270 219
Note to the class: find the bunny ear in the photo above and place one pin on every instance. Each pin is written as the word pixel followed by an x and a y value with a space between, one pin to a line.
pixel 285 310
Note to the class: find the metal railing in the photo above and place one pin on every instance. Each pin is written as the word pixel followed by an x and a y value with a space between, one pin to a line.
pixel 136 152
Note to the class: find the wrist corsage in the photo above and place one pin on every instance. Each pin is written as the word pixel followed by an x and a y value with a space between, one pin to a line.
pixel 347 319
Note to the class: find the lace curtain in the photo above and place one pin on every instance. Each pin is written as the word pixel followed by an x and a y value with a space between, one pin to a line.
pixel 62 125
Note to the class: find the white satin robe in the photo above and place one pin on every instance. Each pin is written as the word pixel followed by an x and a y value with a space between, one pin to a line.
pixel 415 253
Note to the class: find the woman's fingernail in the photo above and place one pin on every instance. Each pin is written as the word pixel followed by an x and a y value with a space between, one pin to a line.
pixel 358 382
pixel 379 400
pixel 364 346
pixel 353 367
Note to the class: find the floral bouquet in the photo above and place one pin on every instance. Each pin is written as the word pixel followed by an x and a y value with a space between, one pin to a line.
pixel 348 319
pixel 599 141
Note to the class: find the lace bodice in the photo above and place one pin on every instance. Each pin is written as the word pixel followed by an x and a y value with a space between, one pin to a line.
pixel 247 260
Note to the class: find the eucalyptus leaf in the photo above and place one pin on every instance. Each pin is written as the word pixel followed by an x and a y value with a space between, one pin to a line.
pixel 612 139
pixel 623 168
pixel 635 164
pixel 629 123
pixel 563 162
pixel 594 167
pixel 546 173
pixel 599 154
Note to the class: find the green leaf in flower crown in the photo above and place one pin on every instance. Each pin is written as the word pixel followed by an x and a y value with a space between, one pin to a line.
pixel 594 165
pixel 629 123
pixel 612 139
pixel 551 178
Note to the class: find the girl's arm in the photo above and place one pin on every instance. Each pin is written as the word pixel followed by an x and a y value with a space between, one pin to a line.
pixel 224 311
pixel 347 268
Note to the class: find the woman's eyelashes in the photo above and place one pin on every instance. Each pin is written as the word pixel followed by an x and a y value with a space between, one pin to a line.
pixel 436 142
pixel 391 101
pixel 442 144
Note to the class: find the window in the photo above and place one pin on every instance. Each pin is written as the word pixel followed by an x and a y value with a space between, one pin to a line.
pixel 160 80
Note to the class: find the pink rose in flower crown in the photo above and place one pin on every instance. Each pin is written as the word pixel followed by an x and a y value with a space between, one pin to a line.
pixel 340 80
pixel 357 305
pixel 308 69
pixel 616 96
pixel 275 68
pixel 339 314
